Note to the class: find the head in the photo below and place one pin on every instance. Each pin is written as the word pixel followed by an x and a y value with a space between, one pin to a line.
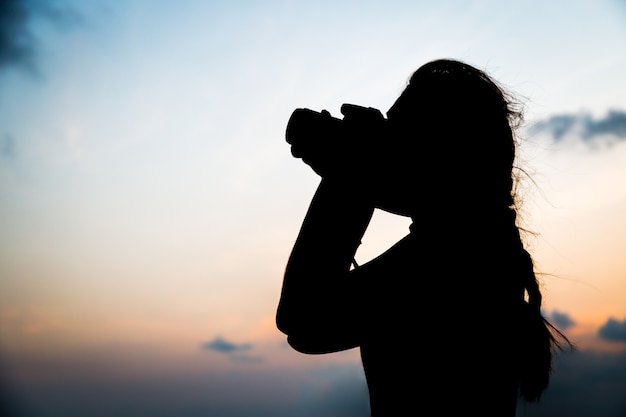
pixel 453 145
pixel 453 132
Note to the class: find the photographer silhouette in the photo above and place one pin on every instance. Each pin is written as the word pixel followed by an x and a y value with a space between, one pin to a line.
pixel 448 319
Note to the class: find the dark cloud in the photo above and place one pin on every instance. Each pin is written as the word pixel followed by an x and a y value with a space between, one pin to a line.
pixel 613 330
pixel 584 383
pixel 222 345
pixel 561 320
pixel 583 125
pixel 18 44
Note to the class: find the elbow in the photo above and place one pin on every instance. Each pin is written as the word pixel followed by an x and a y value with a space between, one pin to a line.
pixel 318 344
pixel 307 335
pixel 294 316
pixel 303 345
pixel 288 328
pixel 282 324
pixel 284 321
pixel 298 332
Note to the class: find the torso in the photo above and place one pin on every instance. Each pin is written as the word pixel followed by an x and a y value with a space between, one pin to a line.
pixel 438 336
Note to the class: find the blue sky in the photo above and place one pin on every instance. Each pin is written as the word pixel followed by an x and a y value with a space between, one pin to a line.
pixel 148 200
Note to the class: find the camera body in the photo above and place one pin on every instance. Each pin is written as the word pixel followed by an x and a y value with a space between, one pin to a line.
pixel 311 132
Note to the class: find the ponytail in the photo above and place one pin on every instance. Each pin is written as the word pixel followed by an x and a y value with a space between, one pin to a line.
pixel 539 339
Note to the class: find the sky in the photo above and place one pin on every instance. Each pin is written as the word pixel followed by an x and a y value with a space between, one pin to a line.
pixel 149 201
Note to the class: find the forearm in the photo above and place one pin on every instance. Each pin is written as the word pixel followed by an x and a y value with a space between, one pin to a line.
pixel 331 231
pixel 316 277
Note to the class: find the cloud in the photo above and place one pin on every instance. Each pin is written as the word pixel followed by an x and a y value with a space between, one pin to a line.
pixel 561 320
pixel 234 350
pixel 18 44
pixel 582 125
pixel 613 330
pixel 222 345
pixel 584 383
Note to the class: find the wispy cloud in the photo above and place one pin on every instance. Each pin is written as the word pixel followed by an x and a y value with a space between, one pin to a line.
pixel 236 351
pixel 220 344
pixel 613 330
pixel 583 125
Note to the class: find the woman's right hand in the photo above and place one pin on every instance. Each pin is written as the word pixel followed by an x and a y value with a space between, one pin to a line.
pixel 336 148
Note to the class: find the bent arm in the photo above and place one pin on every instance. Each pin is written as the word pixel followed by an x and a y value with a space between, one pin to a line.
pixel 321 308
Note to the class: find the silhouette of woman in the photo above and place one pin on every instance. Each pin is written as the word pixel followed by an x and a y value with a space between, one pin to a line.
pixel 448 319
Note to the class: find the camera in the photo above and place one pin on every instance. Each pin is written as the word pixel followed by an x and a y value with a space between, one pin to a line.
pixel 308 128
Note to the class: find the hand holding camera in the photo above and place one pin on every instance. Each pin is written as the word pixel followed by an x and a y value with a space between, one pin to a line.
pixel 332 146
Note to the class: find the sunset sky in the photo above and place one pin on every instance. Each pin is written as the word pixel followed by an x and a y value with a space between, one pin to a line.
pixel 149 201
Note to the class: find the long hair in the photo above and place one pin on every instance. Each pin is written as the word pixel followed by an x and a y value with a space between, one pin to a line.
pixel 464 109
